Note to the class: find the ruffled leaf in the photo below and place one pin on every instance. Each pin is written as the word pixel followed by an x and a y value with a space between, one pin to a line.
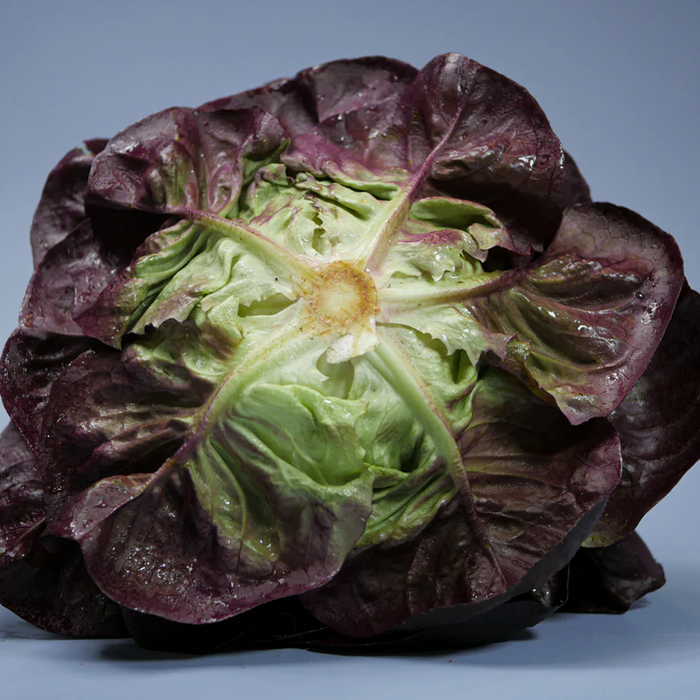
pixel 72 269
pixel 31 362
pixel 61 207
pixel 321 92
pixel 658 425
pixel 46 585
pixel 244 516
pixel 182 159
pixel 21 489
pixel 580 323
pixel 610 579
pixel 529 478
pixel 459 129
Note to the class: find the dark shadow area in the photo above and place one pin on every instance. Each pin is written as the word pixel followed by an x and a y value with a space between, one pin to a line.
pixel 13 627
pixel 129 653
pixel 666 625
pixel 125 651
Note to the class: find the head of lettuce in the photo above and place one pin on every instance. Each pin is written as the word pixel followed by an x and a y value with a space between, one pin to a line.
pixel 351 358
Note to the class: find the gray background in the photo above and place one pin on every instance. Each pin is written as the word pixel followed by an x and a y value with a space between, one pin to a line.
pixel 620 83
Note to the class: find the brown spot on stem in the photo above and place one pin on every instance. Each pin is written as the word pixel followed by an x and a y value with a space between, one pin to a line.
pixel 341 298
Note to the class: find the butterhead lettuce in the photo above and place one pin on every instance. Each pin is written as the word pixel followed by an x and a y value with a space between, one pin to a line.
pixel 350 358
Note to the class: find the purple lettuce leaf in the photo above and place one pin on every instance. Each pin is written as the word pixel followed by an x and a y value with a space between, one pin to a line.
pixel 658 425
pixel 183 159
pixel 280 623
pixel 61 207
pixel 70 275
pixel 112 413
pixel 580 323
pixel 575 189
pixel 44 583
pixel 462 627
pixel 458 129
pixel 610 579
pixel 181 163
pixel 286 623
pixel 72 270
pixel 531 477
pixel 606 288
pixel 182 568
pixel 30 364
pixel 21 489
pixel 49 586
pixel 317 93
pixel 230 520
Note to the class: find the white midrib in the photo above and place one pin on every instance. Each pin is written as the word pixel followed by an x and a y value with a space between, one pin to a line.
pixel 254 241
pixel 384 231
pixel 478 285
pixel 393 364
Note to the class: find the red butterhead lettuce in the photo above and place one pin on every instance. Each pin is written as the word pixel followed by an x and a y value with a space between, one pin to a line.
pixel 353 349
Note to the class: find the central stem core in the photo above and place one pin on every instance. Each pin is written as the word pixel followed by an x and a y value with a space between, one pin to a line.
pixel 342 297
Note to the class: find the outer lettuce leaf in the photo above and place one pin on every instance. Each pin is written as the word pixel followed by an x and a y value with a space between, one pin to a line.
pixel 264 499
pixel 183 159
pixel 575 189
pixel 191 165
pixel 316 94
pixel 459 129
pixel 529 478
pixel 285 623
pixel 31 362
pixel 580 323
pixel 46 584
pixel 21 492
pixel 119 439
pixel 62 208
pixel 72 268
pixel 610 579
pixel 71 275
pixel 280 623
pixel 658 425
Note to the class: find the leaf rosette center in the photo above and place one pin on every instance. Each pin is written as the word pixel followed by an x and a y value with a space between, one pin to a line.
pixel 343 301
pixel 343 297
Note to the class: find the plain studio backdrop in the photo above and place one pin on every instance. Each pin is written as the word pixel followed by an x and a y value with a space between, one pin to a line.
pixel 620 83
